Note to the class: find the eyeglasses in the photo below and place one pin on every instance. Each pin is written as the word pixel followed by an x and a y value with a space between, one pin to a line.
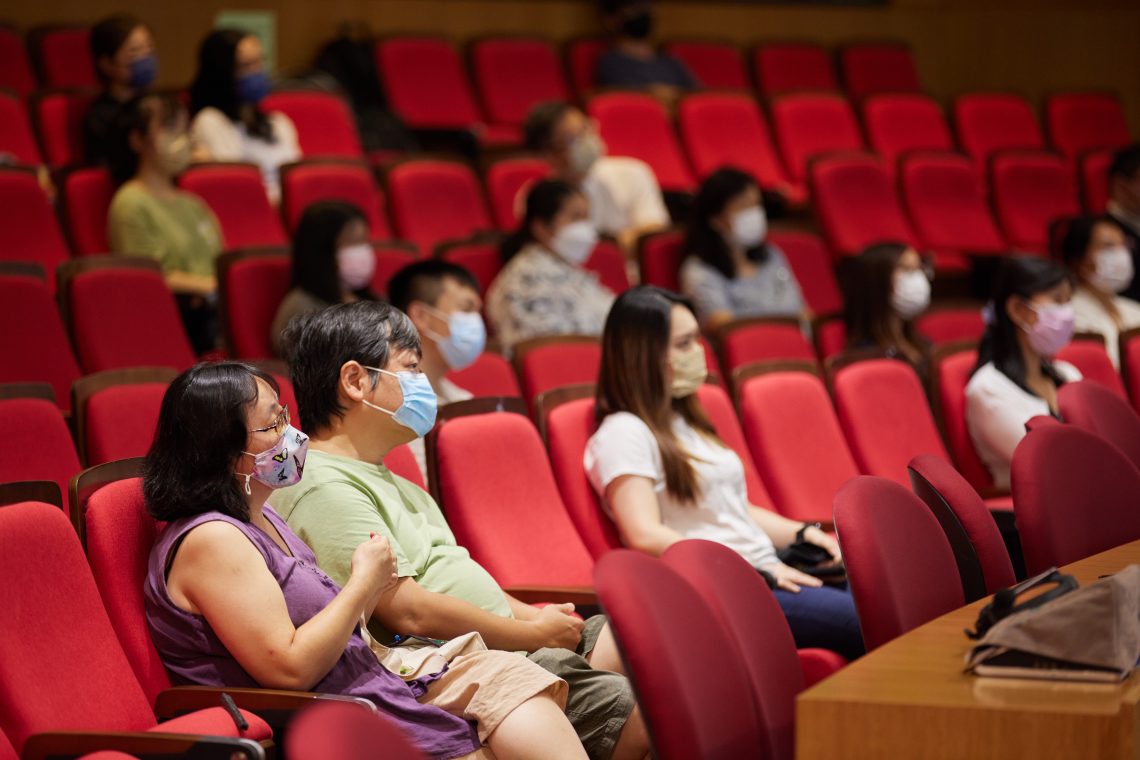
pixel 278 425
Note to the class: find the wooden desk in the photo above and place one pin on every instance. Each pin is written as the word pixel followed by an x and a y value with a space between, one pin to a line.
pixel 910 699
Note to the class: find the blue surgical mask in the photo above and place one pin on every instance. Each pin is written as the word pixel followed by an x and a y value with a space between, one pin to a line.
pixel 252 87
pixel 417 412
pixel 143 72
pixel 468 336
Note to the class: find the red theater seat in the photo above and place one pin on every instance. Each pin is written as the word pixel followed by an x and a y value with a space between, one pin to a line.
pixel 346 732
pixel 608 262
pixel 546 363
pixel 582 56
pixel 16 138
pixel 876 67
pixel 748 340
pixel 37 443
pixel 391 257
pixel 897 123
pixel 1079 122
pixel 490 375
pixel 63 56
pixel 236 195
pixel 811 265
pixel 15 68
pixel 305 183
pixel 659 259
pixel 781 68
pixel 857 203
pixel 324 122
pixel 432 201
pixel 809 125
pixel 29 230
pixel 506 181
pixel 251 286
pixel 1094 168
pixel 951 369
pixel 637 125
pixel 39 351
pixel 1087 353
pixel 116 412
pixel 1101 412
pixel 1030 191
pixel 716 65
pixel 992 122
pixel 945 199
pixel 479 257
pixel 513 74
pixel 84 200
pixel 58 119
pixel 948 324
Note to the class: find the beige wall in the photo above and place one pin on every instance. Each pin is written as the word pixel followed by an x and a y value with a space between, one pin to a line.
pixel 1028 46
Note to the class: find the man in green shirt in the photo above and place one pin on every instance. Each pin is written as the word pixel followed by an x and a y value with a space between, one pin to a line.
pixel 356 375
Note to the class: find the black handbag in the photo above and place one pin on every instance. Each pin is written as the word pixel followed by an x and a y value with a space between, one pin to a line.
pixel 815 561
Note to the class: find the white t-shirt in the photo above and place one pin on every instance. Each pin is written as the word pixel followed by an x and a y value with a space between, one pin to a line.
pixel 623 194
pixel 229 141
pixel 996 412
pixel 1092 317
pixel 446 392
pixel 624 445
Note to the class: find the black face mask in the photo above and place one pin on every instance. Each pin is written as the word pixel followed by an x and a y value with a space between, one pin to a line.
pixel 638 27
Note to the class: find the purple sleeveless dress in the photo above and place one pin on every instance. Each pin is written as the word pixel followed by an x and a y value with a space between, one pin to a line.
pixel 193 654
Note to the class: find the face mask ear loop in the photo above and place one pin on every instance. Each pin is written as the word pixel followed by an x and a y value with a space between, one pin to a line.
pixel 248 490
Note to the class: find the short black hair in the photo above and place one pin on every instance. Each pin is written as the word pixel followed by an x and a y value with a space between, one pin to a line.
pixel 137 117
pixel 202 430
pixel 314 249
pixel 108 35
pixel 1125 163
pixel 320 343
pixel 538 130
pixel 423 281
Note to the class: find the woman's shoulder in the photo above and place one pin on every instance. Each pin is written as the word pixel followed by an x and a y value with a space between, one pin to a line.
pixel 283 127
pixel 211 118
pixel 985 380
pixel 619 429
pixel 1068 372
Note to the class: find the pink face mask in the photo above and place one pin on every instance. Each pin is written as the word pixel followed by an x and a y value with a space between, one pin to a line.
pixel 1053 331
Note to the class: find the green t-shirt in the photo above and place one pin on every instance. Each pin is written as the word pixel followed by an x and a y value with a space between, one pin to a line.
pixel 341 501
pixel 179 231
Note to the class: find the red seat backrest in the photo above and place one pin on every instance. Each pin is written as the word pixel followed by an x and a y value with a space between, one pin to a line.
pixel 505 181
pixel 728 129
pixel 29 230
pixel 514 74
pixel 945 199
pixel 756 340
pixel 481 258
pixel 1030 190
pixel 252 288
pixel 582 56
pixel 63 54
pixel 120 421
pixel 58 118
pixel 809 125
pixel 1091 358
pixel 490 375
pixel 812 267
pixel 557 362
pixel 37 443
pixel 305 183
pixel 694 706
pixel 951 374
pixel 948 325
pixel 898 122
pixel 391 257
pixel 506 510
pixel 899 563
pixel 236 195
pixel 425 83
pixel 885 417
pixel 637 125
pixel 85 199
pixel 830 338
pixel 39 351
pixel 1078 122
pixel 1090 406
pixel 659 259
pixel 857 203
pixel 432 201
pixel 716 65
pixel 796 442
pixel 324 122
pixel 994 121
pixel 344 731
pixel 871 68
pixel 1075 495
pixel 608 262
pixel 402 462
pixel 15 129
pixel 15 68
pixel 1094 180
pixel 1130 365
pixel 787 67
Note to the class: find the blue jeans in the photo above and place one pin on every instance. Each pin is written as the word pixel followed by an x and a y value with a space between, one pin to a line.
pixel 823 617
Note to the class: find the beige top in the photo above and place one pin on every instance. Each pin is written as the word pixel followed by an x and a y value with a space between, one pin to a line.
pixel 1091 316
pixel 179 230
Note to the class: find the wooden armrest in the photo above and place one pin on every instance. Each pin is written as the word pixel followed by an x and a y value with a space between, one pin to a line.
pixel 276 707
pixel 68 744
pixel 580 596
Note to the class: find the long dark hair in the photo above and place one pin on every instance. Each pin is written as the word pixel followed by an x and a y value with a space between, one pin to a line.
pixel 1078 233
pixel 202 430
pixel 107 37
pixel 1021 277
pixel 635 347
pixel 705 242
pixel 314 250
pixel 543 203
pixel 215 85
pixel 867 296
pixel 137 117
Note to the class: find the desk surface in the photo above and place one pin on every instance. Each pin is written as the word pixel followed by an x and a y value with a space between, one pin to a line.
pixel 910 698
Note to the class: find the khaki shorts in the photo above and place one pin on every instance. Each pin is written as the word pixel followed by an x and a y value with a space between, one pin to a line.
pixel 600 701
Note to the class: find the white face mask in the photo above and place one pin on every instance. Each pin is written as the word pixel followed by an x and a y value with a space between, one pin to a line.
pixel 575 242
pixel 355 266
pixel 910 294
pixel 1114 269
pixel 748 227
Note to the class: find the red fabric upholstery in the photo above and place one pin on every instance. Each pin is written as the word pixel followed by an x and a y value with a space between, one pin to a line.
pixel 582 56
pixel 1090 406
pixel 728 129
pixel 39 351
pixel 391 257
pixel 252 288
pixel 120 421
pixel 324 122
pixel 718 406
pixel 558 363
pixel 346 732
pixel 490 375
pixel 37 443
pixel 899 563
pixel 744 607
pixel 716 65
pixel 885 417
pixel 28 227
pixel 505 181
pixel 951 374
pixel 830 338
pixel 402 462
pixel 425 83
pixel 15 128
pixel 513 74
pixel 857 203
pixel 694 706
pixel 236 195
pixel 1094 180
pixel 15 68
pixel 809 125
pixel 945 198
pixel 481 258
pixel 972 514
pixel 811 265
pixel 63 54
pixel 787 67
pixel 901 122
pixel 7 751
pixel 216 721
pixel 818 664
pixel 85 199
pixel 126 317
pixel 506 510
pixel 659 259
pixel 633 124
pixel 1090 357
pixel 608 262
pixel 352 182
pixel 432 201
pixel 58 118
pixel 994 121
pixel 1078 122
pixel 1030 190
pixel 796 442
pixel 871 68
pixel 755 341
pixel 945 325
pixel 1075 495
pixel 1130 366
